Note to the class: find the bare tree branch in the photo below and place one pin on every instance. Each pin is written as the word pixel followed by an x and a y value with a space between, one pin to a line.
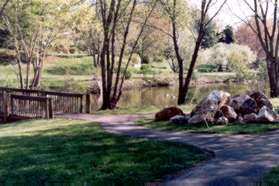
pixel 3 7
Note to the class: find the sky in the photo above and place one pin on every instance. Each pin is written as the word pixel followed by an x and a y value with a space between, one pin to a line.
pixel 230 12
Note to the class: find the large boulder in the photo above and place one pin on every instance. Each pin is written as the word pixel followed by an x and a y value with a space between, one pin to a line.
pixel 266 115
pixel 229 113
pixel 261 100
pixel 180 119
pixel 167 113
pixel 249 106
pixel 211 103
pixel 237 101
pixel 250 118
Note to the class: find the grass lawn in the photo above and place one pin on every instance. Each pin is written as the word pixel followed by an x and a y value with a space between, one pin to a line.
pixel 226 129
pixel 71 74
pixel 272 178
pixel 42 152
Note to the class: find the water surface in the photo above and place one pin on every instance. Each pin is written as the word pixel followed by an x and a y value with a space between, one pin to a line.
pixel 167 96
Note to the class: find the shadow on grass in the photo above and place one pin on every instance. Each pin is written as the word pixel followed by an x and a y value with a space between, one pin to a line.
pixel 84 154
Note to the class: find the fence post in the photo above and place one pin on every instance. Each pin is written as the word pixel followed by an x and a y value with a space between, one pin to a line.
pixel 88 103
pixel 12 111
pixel 81 104
pixel 50 109
pixel 5 105
pixel 46 109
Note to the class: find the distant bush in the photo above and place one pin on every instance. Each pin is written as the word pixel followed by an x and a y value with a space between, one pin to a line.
pixel 205 68
pixel 262 71
pixel 128 74
pixel 146 69
pixel 62 55
pixel 7 55
pixel 233 57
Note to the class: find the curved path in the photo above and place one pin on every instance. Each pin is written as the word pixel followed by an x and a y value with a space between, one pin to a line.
pixel 239 159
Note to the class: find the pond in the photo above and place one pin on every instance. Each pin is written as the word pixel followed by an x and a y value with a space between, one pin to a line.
pixel 167 96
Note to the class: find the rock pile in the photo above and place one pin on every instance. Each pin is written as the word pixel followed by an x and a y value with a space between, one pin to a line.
pixel 220 107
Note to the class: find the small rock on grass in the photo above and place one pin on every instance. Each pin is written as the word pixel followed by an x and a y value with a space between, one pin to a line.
pixel 222 121
pixel 180 119
pixel 167 113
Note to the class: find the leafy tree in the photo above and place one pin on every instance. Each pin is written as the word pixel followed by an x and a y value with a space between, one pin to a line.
pixel 244 35
pixel 210 36
pixel 4 37
pixel 88 31
pixel 210 33
pixel 172 9
pixel 266 28
pixel 230 57
pixel 153 41
pixel 3 6
pixel 116 18
pixel 227 35
pixel 33 26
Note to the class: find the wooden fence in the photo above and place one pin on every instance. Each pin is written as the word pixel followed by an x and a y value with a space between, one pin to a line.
pixel 41 104
pixel 63 102
pixel 2 99
pixel 31 106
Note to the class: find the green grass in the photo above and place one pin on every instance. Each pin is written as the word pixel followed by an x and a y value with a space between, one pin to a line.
pixel 272 178
pixel 67 74
pixel 73 152
pixel 71 66
pixel 219 129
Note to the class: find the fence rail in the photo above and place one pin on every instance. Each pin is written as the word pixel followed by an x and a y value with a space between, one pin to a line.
pixel 31 106
pixel 40 103
pixel 63 102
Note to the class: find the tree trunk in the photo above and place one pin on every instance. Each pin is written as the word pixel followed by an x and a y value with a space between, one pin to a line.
pixel 191 69
pixel 181 95
pixel 273 74
pixel 94 60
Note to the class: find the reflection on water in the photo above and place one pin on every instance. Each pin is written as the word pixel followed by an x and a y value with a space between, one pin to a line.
pixel 167 96
pixel 162 97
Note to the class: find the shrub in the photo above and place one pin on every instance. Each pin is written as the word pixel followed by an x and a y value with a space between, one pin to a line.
pixel 262 71
pixel 146 69
pixel 128 74
pixel 205 68
pixel 233 57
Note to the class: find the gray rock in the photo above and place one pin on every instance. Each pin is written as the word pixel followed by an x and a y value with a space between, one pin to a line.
pixel 249 106
pixel 266 115
pixel 222 121
pixel 237 101
pixel 261 100
pixel 180 119
pixel 239 120
pixel 201 119
pixel 250 118
pixel 197 119
pixel 211 103
pixel 229 113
